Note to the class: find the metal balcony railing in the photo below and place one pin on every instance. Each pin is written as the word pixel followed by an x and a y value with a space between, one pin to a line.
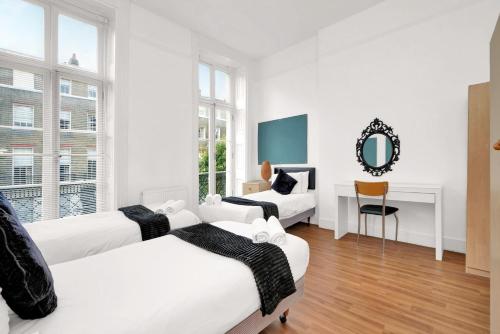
pixel 220 185
pixel 75 198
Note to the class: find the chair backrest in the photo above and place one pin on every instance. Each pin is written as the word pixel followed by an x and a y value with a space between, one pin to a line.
pixel 371 188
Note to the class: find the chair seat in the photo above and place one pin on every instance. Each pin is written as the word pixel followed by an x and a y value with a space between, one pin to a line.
pixel 373 209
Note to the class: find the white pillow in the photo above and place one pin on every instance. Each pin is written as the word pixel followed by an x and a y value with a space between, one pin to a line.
pixel 4 315
pixel 305 182
pixel 297 189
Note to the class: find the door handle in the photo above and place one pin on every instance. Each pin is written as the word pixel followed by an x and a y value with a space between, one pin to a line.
pixel 496 146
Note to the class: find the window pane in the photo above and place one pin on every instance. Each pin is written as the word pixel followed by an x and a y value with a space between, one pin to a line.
pixel 77 43
pixel 22 27
pixel 203 112
pixel 222 86
pixel 221 140
pixel 21 141
pixel 78 158
pixel 204 80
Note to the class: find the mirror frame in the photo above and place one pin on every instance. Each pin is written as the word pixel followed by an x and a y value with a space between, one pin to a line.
pixel 377 126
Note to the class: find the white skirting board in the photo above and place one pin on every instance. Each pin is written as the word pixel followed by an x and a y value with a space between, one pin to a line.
pixel 421 239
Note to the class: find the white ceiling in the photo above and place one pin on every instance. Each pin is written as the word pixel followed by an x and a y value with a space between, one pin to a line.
pixel 258 28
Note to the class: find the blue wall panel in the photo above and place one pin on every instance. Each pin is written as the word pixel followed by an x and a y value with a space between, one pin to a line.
pixel 283 141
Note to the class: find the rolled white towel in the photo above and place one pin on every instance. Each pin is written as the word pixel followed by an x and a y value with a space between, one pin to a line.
pixel 259 231
pixel 175 207
pixel 162 209
pixel 209 200
pixel 217 199
pixel 277 234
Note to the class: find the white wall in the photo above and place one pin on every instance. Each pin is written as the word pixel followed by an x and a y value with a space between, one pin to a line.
pixel 408 62
pixel 152 137
pixel 160 104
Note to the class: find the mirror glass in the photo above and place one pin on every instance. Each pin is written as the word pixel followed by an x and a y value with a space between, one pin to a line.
pixel 377 150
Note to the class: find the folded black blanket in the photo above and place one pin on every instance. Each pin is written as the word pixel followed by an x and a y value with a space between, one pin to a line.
pixel 268 262
pixel 270 209
pixel 152 225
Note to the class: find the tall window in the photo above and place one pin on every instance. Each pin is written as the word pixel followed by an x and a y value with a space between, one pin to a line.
pixel 215 123
pixel 51 77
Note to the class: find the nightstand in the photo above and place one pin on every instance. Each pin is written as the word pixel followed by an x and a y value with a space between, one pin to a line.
pixel 256 186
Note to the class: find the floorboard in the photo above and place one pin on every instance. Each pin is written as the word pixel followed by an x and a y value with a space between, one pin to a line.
pixel 351 288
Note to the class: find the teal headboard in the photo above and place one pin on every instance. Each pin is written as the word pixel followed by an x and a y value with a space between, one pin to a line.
pixel 283 141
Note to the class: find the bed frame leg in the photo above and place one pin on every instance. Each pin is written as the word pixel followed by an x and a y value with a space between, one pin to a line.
pixel 283 316
pixel 308 221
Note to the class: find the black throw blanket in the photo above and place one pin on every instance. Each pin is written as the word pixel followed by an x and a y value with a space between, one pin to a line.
pixel 152 225
pixel 268 262
pixel 270 209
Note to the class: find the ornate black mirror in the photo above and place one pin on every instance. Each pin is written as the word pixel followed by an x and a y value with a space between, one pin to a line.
pixel 378 148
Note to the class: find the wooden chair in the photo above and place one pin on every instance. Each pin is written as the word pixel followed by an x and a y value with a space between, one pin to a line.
pixel 375 189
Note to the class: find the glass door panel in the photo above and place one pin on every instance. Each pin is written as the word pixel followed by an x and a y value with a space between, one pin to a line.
pixel 21 141
pixel 78 153
pixel 222 152
pixel 203 148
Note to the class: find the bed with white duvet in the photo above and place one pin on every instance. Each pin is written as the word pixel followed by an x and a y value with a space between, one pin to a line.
pixel 292 208
pixel 71 238
pixel 164 285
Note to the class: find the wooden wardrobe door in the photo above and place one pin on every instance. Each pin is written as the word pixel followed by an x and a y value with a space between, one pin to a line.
pixel 478 181
pixel 495 181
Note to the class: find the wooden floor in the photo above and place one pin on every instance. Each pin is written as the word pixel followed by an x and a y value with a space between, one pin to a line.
pixel 356 289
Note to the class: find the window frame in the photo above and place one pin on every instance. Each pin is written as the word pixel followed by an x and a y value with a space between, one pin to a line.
pixel 51 48
pixel 51 71
pixel 21 127
pixel 212 104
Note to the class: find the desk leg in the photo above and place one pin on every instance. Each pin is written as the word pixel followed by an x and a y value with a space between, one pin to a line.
pixel 438 227
pixel 342 223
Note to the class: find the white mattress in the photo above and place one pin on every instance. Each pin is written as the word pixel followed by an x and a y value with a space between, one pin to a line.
pixel 67 239
pixel 288 206
pixel 164 285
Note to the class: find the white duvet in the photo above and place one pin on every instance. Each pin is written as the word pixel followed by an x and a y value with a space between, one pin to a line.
pixel 159 286
pixel 288 206
pixel 72 238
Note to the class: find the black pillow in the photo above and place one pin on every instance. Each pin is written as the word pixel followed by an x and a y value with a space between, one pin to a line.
pixel 25 279
pixel 284 183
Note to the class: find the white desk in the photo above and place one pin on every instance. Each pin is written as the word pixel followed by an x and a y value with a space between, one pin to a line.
pixel 420 193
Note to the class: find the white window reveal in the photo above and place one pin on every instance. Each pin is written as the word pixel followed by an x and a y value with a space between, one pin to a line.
pixel 22 116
